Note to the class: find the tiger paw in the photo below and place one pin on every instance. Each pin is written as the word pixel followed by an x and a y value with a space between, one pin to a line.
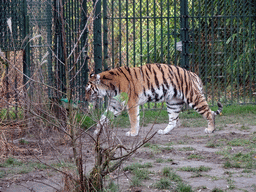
pixel 129 133
pixel 161 132
pixel 207 131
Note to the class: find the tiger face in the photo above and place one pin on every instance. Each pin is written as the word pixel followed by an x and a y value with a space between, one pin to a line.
pixel 94 89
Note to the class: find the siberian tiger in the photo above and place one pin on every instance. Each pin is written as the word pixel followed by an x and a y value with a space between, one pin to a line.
pixel 151 83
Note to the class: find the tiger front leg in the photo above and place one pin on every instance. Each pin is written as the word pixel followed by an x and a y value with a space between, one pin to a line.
pixel 114 109
pixel 173 109
pixel 134 117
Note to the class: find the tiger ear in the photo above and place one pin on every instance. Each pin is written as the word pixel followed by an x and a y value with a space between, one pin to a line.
pixel 95 78
pixel 92 75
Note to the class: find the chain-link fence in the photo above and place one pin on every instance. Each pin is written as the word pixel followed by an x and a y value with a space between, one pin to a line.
pixel 216 39
pixel 222 48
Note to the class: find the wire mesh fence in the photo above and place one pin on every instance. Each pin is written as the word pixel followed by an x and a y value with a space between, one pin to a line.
pixel 216 39
pixel 222 51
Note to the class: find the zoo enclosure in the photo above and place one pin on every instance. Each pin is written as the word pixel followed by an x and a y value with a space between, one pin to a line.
pixel 216 39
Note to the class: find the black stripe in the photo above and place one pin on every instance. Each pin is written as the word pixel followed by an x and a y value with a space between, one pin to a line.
pixel 135 74
pixel 159 66
pixel 149 67
pixel 165 82
pixel 123 73
pixel 147 74
pixel 175 92
pixel 106 78
pixel 142 73
pixel 156 80
pixel 171 107
pixel 128 69
pixel 152 89
pixel 112 86
pixel 148 83
pixel 144 91
pixel 164 90
pixel 180 103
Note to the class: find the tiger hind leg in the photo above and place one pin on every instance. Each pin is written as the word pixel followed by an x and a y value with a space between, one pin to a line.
pixel 208 114
pixel 173 109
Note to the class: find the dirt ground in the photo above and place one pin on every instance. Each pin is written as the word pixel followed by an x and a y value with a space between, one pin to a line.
pixel 204 150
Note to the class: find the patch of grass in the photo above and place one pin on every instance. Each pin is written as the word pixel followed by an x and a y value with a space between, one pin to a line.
pixel 63 164
pixel 154 147
pixel 169 180
pixel 136 181
pixel 163 183
pixel 151 115
pixel 195 156
pixel 85 120
pixel 239 109
pixel 230 184
pixel 11 162
pixel 2 173
pixel 11 113
pixel 159 160
pixel 139 174
pixel 217 190
pixel 201 187
pixel 20 167
pixel 197 174
pixel 214 144
pixel 24 169
pixel 244 128
pixel 182 187
pixel 23 142
pixel 181 142
pixel 142 174
pixel 166 148
pixel 247 171
pixel 135 166
pixel 240 160
pixel 187 149
pixel 238 142
pixel 112 187
pixel 254 186
pixel 228 164
pixel 195 169
pixel 174 176
pixel 166 171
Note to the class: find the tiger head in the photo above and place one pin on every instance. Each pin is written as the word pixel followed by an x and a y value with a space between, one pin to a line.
pixel 94 88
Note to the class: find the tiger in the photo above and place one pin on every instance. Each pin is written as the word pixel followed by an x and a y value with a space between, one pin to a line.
pixel 150 83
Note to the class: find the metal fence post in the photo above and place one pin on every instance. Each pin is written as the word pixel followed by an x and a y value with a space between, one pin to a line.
pixel 60 73
pixel 49 42
pixel 85 69
pixel 105 34
pixel 97 37
pixel 184 33
pixel 26 55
